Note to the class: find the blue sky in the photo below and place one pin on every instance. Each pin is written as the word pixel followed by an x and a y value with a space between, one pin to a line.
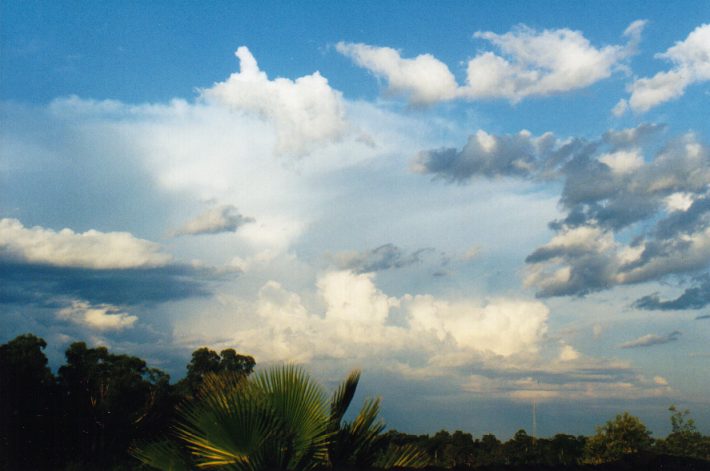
pixel 480 204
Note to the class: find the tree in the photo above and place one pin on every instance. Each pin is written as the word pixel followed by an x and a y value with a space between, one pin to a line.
pixel 684 439
pixel 205 361
pixel 108 401
pixel 624 435
pixel 277 419
pixel 521 449
pixel 27 404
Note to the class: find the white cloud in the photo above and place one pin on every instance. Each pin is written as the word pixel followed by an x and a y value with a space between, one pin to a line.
pixel 691 64
pixel 502 327
pixel 424 79
pixel 568 353
pixel 305 111
pixel 101 317
pixel 66 248
pixel 532 63
pixel 542 63
pixel 354 320
pixel 225 218
pixel 623 161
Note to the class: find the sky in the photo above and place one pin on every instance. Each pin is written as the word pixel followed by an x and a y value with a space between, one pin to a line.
pixel 483 205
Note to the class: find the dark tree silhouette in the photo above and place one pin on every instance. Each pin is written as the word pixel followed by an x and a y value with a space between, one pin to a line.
pixel 27 404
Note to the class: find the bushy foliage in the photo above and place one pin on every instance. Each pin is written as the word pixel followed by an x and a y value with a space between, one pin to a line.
pixel 625 435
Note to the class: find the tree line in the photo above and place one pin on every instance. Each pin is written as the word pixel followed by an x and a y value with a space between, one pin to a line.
pixel 111 411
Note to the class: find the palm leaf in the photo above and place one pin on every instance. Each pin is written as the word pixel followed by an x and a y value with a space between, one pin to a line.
pixel 342 397
pixel 164 455
pixel 299 404
pixel 409 456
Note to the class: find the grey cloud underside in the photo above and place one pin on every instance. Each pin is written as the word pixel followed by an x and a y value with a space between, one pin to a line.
pixel 651 340
pixel 696 297
pixel 703 317
pixel 622 181
pixel 384 257
pixel 44 285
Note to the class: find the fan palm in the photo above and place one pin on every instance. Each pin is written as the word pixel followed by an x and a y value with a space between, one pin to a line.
pixel 277 419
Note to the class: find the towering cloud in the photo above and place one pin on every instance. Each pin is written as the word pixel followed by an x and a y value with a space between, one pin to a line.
pixel 305 111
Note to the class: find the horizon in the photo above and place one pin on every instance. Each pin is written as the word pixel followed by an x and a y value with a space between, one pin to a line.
pixel 481 206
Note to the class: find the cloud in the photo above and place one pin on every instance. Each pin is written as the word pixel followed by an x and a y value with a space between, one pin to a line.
pixel 305 111
pixel 696 297
pixel 532 63
pixel 358 321
pixel 691 64
pixel 703 317
pixel 103 317
pixel 66 248
pixel 384 257
pixel 424 79
pixel 543 62
pixel 569 380
pixel 609 184
pixel 486 155
pixel 225 218
pixel 651 339
pixel 42 285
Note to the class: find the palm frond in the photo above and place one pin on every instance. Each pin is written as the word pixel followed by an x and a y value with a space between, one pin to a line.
pixel 342 397
pixel 163 455
pixel 409 456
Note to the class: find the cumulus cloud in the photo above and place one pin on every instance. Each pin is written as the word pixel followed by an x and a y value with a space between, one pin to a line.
pixel 543 62
pixel 358 320
pixel 503 327
pixel 66 248
pixel 424 79
pixel 384 257
pixel 610 184
pixel 225 218
pixel 103 317
pixel 486 155
pixel 691 64
pixel 651 339
pixel 531 63
pixel 305 111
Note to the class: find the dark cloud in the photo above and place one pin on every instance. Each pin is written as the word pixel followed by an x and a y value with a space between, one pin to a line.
pixel 633 136
pixel 696 297
pixel 381 258
pixel 703 317
pixel 486 155
pixel 44 285
pixel 650 340
pixel 609 185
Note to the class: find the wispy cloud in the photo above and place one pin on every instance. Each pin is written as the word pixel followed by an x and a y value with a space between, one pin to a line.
pixel 651 339
pixel 384 257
